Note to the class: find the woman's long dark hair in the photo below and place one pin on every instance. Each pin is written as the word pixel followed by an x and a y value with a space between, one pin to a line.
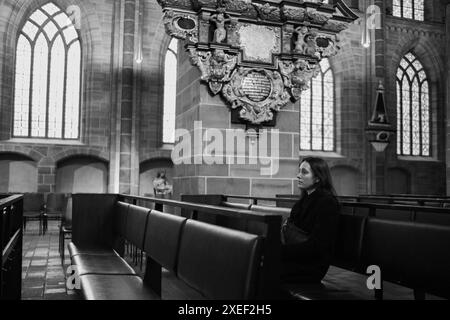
pixel 321 170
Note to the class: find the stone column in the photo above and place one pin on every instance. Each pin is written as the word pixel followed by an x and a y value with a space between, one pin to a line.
pixel 447 33
pixel 124 155
pixel 196 103
pixel 380 74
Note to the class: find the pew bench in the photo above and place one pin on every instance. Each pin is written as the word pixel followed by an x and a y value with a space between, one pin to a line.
pixel 216 262
pixel 413 260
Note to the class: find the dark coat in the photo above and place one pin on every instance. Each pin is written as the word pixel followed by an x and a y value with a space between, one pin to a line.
pixel 317 215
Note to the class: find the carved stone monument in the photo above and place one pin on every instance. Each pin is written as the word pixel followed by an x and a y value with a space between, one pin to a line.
pixel 258 55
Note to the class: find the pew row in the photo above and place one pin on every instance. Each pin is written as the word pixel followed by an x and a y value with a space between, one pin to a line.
pixel 218 263
pixel 411 254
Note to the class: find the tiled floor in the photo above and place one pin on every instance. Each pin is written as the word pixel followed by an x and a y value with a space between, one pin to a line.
pixel 42 274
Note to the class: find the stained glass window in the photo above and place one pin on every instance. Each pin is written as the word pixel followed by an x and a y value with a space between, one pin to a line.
pixel 411 9
pixel 317 112
pixel 170 92
pixel 413 108
pixel 47 76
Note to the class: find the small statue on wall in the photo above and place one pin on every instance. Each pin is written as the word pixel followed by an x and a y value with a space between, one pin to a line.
pixel 305 43
pixel 219 18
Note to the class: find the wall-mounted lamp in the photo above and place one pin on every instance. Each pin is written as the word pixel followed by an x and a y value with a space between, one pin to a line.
pixel 379 130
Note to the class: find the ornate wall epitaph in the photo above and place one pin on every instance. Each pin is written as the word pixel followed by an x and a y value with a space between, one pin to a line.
pixel 258 56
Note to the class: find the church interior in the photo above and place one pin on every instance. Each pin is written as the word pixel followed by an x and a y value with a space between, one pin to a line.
pixel 154 146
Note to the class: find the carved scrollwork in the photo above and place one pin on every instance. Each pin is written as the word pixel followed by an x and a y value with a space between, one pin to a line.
pixel 336 26
pixel 293 14
pixel 182 4
pixel 317 17
pixel 306 44
pixel 246 9
pixel 314 44
pixel 205 3
pixel 258 92
pixel 297 75
pixel 267 12
pixel 258 54
pixel 215 66
pixel 181 25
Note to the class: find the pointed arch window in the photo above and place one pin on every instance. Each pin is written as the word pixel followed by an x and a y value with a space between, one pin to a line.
pixel 411 9
pixel 413 108
pixel 170 92
pixel 317 112
pixel 47 76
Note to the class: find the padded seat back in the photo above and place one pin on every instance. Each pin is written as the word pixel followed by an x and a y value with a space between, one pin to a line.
pixel 136 225
pixel 162 239
pixel 433 218
pixel 387 244
pixel 393 214
pixel 120 218
pixel 220 263
pixel 33 202
pixel 56 202
pixel 349 241
pixel 413 254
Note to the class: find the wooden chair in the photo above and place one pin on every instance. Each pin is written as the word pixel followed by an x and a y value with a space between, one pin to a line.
pixel 65 228
pixel 33 209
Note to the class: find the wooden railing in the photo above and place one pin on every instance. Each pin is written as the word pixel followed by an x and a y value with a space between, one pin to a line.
pixel 11 211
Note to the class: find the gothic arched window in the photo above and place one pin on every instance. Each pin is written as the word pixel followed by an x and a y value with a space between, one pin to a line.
pixel 170 92
pixel 411 9
pixel 413 108
pixel 47 76
pixel 317 112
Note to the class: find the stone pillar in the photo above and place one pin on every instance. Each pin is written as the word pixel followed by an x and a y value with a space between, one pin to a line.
pixel 375 72
pixel 447 33
pixel 124 156
pixel 196 103
pixel 380 74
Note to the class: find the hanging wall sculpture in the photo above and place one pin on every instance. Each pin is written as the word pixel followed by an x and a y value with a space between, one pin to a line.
pixel 258 55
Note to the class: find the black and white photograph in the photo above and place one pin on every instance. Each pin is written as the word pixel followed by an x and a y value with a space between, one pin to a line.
pixel 224 158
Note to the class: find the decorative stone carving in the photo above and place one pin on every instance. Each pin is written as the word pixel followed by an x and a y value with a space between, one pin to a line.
pixel 205 4
pixel 232 33
pixel 216 67
pixel 287 33
pixel 313 44
pixel 261 53
pixel 220 33
pixel 305 43
pixel 336 26
pixel 297 75
pixel 182 4
pixel 267 12
pixel 293 14
pixel 317 17
pixel 181 25
pixel 246 9
pixel 258 91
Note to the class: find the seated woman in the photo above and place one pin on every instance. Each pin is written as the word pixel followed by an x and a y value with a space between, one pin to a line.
pixel 309 233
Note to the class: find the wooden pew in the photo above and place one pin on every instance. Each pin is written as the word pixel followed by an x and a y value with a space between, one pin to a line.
pixel 230 260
